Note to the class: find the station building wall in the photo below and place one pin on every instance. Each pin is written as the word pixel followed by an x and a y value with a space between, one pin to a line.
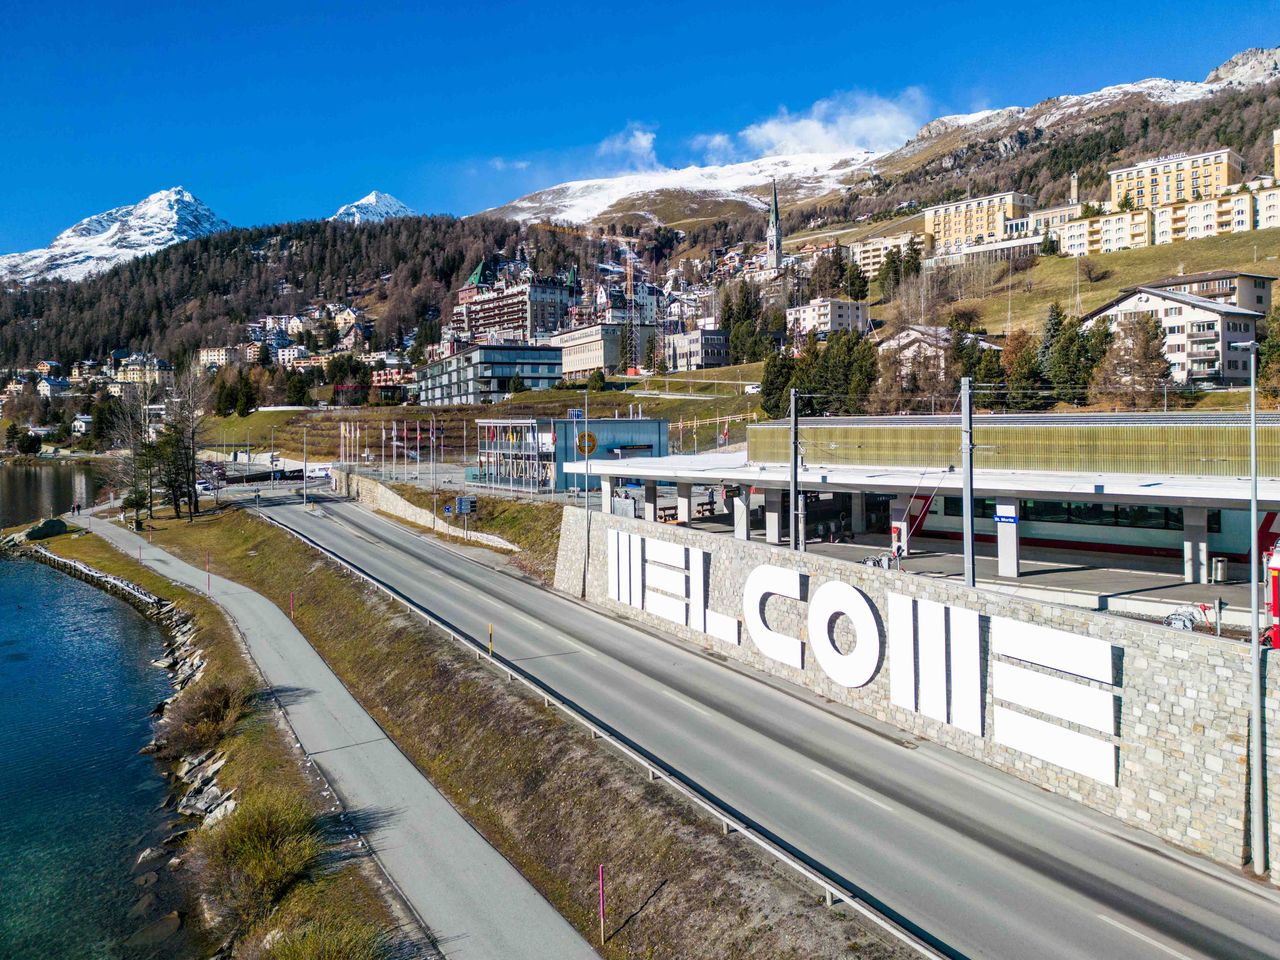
pixel 1143 723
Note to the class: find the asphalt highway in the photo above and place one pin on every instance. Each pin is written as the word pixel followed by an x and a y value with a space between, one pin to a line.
pixel 990 866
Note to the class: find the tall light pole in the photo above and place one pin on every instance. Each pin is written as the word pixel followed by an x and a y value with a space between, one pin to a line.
pixel 1257 823
pixel 966 460
pixel 794 471
pixel 304 466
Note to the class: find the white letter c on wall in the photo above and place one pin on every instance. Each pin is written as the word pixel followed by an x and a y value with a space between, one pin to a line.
pixel 831 600
pixel 762 582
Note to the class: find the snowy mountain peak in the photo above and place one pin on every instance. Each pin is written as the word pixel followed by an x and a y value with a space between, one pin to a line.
pixel 99 242
pixel 374 208
pixel 1256 65
pixel 1246 69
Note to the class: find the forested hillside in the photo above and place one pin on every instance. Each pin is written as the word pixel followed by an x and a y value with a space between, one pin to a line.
pixel 194 292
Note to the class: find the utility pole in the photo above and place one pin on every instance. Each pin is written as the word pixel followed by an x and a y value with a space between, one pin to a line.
pixel 966 457
pixel 1257 823
pixel 586 484
pixel 304 466
pixel 795 479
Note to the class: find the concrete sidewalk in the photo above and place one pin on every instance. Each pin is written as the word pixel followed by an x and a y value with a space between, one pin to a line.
pixel 476 904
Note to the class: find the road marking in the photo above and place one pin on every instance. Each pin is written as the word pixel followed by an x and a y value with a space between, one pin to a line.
pixel 854 790
pixel 676 696
pixel 1143 937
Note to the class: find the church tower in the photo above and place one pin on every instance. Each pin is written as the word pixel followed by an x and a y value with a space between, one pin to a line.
pixel 773 234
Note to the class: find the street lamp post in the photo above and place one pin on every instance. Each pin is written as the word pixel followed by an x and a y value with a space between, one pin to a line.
pixel 304 466
pixel 1257 823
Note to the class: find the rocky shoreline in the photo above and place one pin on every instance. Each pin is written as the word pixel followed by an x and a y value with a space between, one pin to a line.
pixel 194 794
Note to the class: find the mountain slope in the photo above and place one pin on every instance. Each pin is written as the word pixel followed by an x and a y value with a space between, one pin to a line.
pixel 374 208
pixel 690 192
pixel 676 196
pixel 99 242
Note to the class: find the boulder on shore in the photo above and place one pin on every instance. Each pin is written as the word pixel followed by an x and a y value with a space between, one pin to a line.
pixel 53 527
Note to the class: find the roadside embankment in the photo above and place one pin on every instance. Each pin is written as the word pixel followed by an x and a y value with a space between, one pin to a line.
pixel 269 865
pixel 554 802
pixel 533 528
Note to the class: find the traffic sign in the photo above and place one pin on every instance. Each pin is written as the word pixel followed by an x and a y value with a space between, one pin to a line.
pixel 448 509
pixel 466 505
pixel 575 413
pixel 587 442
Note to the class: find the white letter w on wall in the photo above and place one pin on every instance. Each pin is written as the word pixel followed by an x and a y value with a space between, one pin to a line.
pixel 935 661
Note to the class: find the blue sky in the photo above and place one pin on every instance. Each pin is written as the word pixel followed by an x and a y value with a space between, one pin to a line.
pixel 271 111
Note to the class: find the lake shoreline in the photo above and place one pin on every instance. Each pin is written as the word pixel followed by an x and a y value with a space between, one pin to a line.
pixel 162 890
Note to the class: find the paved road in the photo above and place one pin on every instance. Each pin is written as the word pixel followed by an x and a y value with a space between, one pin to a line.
pixel 995 868
pixel 477 905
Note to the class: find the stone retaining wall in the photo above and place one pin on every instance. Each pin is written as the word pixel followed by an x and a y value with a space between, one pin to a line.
pixel 380 497
pixel 1182 698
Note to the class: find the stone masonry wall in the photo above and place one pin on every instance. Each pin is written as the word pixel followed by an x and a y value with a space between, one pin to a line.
pixel 374 493
pixel 1183 727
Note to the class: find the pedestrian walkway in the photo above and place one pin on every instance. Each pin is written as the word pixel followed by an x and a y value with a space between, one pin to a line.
pixel 476 904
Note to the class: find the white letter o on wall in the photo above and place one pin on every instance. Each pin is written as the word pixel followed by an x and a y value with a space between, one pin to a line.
pixel 831 600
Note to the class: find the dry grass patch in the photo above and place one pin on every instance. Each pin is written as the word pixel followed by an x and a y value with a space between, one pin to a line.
pixel 552 801
pixel 268 864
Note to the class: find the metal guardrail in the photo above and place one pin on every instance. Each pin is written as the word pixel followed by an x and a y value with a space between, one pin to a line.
pixel 835 889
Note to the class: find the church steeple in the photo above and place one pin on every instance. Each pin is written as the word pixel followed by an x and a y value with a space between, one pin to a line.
pixel 773 234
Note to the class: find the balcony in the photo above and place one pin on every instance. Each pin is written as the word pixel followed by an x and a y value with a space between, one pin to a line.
pixel 1203 354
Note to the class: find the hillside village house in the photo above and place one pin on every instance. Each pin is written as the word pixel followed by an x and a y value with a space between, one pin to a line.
pixel 921 346
pixel 1199 332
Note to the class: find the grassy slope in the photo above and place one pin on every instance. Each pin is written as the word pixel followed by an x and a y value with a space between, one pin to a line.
pixel 537 788
pixel 257 754
pixel 1054 278
pixel 322 425
pixel 533 527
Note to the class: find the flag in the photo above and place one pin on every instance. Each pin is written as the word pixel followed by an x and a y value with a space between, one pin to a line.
pixel 419 431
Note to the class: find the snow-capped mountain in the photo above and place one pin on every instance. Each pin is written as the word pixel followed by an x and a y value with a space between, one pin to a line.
pixel 685 191
pixel 1246 69
pixel 671 196
pixel 374 208
pixel 99 242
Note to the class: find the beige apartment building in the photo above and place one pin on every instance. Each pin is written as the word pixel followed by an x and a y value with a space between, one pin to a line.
pixel 598 347
pixel 870 253
pixel 967 223
pixel 826 315
pixel 1177 177
pixel 1195 219
pixel 1128 230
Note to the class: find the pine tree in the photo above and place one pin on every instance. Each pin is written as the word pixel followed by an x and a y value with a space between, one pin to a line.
pixel 1052 327
pixel 856 286
pixel 11 436
pixel 516 383
pixel 1022 372
pixel 988 376
pixel 245 399
pixel 775 383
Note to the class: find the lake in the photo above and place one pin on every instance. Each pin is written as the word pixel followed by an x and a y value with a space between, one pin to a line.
pixel 76 797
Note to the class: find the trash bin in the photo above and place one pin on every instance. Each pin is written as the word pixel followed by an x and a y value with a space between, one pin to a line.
pixel 1219 569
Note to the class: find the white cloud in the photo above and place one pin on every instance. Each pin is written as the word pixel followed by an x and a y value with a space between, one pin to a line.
pixel 843 123
pixel 634 145
pixel 716 148
pixel 499 163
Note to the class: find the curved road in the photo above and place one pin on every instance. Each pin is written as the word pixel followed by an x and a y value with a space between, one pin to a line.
pixel 991 866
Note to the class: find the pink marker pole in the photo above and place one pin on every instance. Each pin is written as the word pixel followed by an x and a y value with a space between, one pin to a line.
pixel 602 904
pixel 290 604
pixel 207 575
